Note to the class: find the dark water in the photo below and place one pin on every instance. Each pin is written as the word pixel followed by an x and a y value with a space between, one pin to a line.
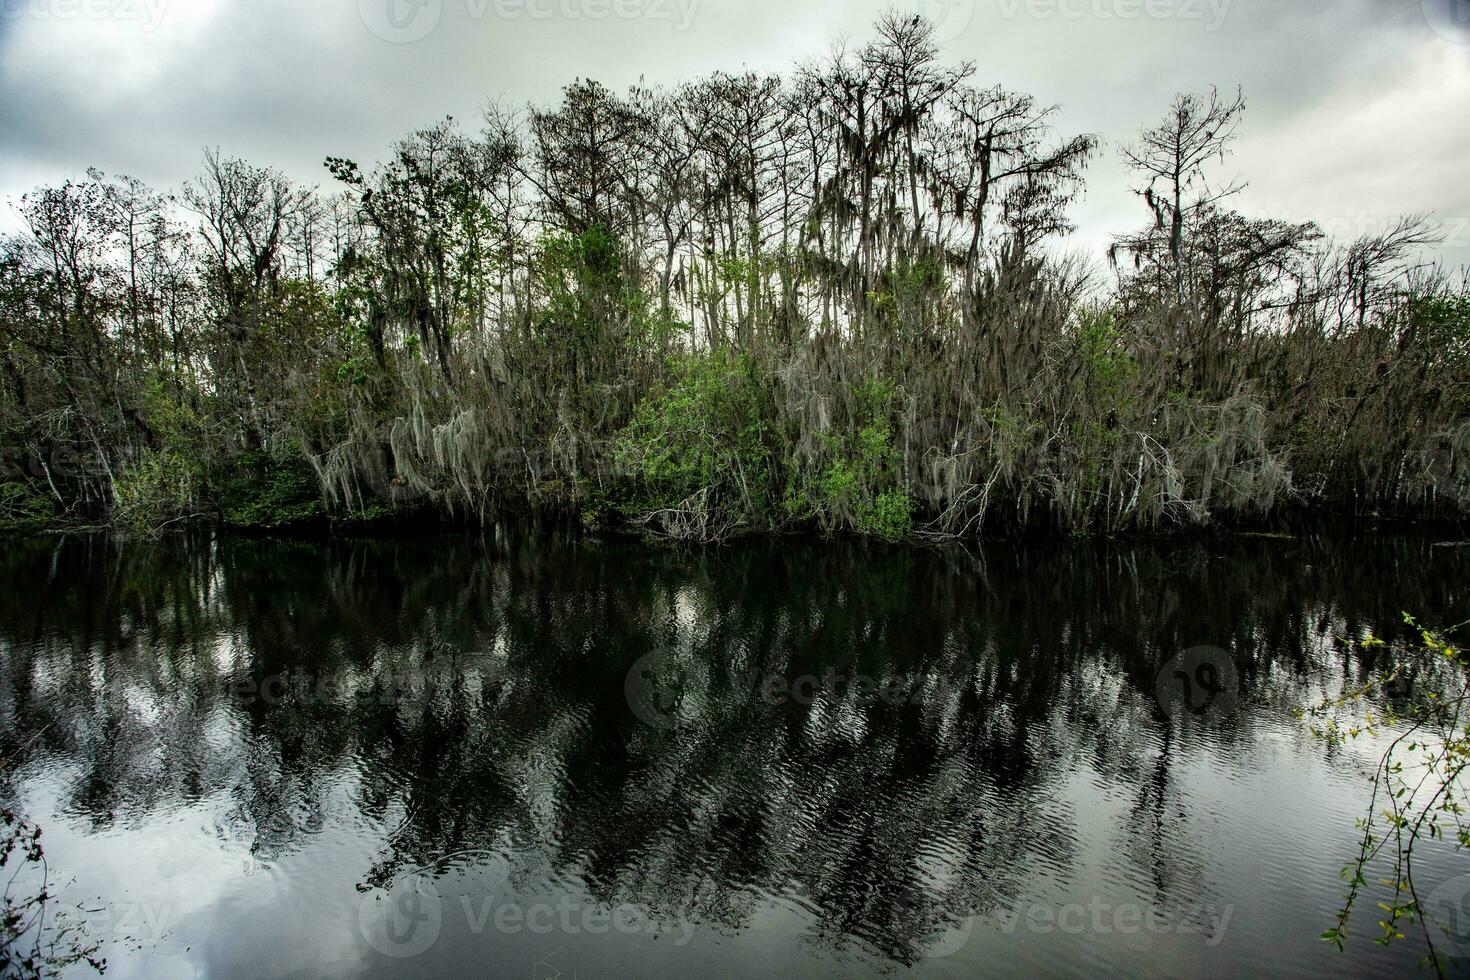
pixel 528 755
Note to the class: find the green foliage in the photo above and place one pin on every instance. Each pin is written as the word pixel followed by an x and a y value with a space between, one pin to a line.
pixel 25 508
pixel 175 424
pixel 573 311
pixel 891 516
pixel 1107 388
pixel 1417 699
pixel 910 283
pixel 368 512
pixel 860 488
pixel 580 277
pixel 161 488
pixel 707 432
pixel 266 491
pixel 591 302
pixel 356 366
pixel 1444 324
pixel 1110 369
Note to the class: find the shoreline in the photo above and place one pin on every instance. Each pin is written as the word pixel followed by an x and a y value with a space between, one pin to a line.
pixel 433 523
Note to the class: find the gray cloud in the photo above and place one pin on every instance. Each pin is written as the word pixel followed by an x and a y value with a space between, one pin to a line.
pixel 1356 107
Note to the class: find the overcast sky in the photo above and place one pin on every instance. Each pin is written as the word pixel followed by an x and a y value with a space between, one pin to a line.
pixel 1357 108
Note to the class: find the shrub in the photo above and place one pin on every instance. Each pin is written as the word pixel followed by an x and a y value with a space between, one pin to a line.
pixel 269 490
pixel 161 488
pixel 860 488
pixel 890 516
pixel 701 442
pixel 22 508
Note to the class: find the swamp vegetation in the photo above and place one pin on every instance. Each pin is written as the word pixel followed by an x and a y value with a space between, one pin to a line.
pixel 838 299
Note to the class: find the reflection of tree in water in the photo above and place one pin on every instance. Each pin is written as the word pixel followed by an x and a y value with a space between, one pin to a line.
pixel 476 702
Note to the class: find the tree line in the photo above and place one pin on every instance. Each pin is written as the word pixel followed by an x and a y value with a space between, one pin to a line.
pixel 836 298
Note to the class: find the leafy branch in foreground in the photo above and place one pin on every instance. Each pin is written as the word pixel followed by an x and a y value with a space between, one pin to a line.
pixel 1416 792
pixel 31 944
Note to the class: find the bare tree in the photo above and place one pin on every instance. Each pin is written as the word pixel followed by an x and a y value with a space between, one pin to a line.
pixel 1171 158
